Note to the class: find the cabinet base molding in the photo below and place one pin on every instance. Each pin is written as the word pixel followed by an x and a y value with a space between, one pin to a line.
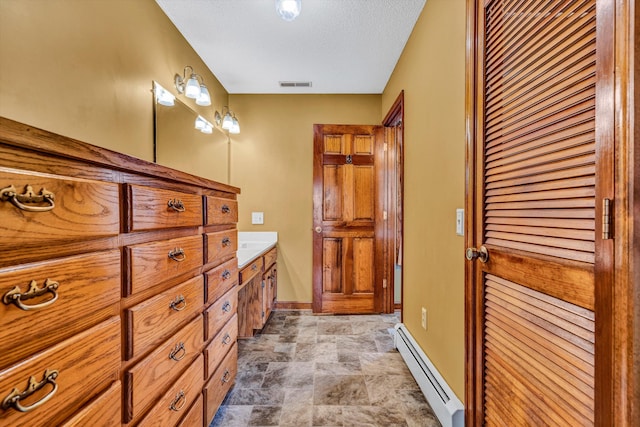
pixel 292 305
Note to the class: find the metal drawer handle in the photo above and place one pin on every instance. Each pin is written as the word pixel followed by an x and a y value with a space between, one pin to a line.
pixel 178 352
pixel 13 399
pixel 180 398
pixel 226 307
pixel 226 274
pixel 177 254
pixel 225 209
pixel 226 340
pixel 177 205
pixel 16 296
pixel 254 267
pixel 178 304
pixel 29 196
pixel 226 241
pixel 226 377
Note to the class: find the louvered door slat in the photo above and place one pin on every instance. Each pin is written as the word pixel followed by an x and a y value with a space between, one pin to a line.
pixel 579 224
pixel 587 170
pixel 545 231
pixel 583 181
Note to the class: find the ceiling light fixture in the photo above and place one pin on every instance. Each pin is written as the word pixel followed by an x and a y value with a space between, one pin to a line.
pixel 193 87
pixel 288 9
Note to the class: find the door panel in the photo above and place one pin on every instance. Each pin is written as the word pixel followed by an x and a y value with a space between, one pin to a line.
pixel 539 168
pixel 346 206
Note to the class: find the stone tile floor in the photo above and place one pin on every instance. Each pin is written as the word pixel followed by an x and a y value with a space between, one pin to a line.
pixel 306 370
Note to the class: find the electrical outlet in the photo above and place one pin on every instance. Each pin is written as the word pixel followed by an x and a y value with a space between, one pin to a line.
pixel 424 318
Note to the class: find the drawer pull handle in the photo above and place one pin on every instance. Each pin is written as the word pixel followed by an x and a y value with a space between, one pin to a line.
pixel 225 209
pixel 226 241
pixel 177 254
pixel 178 352
pixel 226 340
pixel 254 267
pixel 177 205
pixel 29 196
pixel 13 399
pixel 226 275
pixel 16 296
pixel 178 304
pixel 226 377
pixel 226 307
pixel 180 398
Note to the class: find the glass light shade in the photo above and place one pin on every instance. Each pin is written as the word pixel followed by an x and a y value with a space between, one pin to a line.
pixel 288 9
pixel 163 96
pixel 207 129
pixel 227 122
pixel 235 127
pixel 204 98
pixel 192 88
pixel 200 123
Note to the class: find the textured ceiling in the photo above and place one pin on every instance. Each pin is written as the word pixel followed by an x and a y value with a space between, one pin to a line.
pixel 341 46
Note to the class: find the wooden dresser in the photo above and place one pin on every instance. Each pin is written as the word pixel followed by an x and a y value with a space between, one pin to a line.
pixel 118 280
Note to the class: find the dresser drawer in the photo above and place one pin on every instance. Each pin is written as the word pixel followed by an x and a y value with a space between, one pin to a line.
pixel 220 345
pixel 195 414
pixel 248 272
pixel 221 312
pixel 221 245
pixel 78 209
pixel 153 320
pixel 102 411
pixel 155 208
pixel 221 211
pixel 68 296
pixel 220 383
pixel 176 401
pixel 155 262
pixel 70 373
pixel 151 375
pixel 270 257
pixel 221 279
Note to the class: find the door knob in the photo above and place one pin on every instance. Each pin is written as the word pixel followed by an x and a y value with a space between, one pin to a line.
pixel 482 254
pixel 318 230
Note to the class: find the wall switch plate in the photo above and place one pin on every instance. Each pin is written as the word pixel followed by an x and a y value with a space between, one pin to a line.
pixel 424 319
pixel 460 222
pixel 257 217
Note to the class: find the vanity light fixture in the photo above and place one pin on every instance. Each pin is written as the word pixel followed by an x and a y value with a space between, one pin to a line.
pixel 193 87
pixel 203 125
pixel 235 126
pixel 163 96
pixel 227 120
pixel 288 9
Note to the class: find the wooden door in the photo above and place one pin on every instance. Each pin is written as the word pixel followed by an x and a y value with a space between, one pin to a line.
pixel 347 243
pixel 540 154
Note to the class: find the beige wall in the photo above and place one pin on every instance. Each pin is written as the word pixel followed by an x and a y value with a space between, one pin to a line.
pixel 272 161
pixel 84 69
pixel 431 72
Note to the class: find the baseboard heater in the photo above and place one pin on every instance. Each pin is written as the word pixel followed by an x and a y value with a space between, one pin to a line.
pixel 443 401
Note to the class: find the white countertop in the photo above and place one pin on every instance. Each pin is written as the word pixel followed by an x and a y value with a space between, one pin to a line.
pixel 252 244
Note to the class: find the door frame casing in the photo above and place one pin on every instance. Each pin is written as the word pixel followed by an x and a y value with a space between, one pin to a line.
pixel 394 187
pixel 617 305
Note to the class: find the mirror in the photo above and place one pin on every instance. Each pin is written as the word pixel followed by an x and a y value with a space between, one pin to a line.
pixel 179 145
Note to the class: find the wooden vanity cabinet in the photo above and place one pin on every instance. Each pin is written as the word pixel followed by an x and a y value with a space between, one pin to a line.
pixel 114 274
pixel 257 294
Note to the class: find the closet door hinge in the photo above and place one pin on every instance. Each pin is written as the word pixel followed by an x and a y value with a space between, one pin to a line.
pixel 606 219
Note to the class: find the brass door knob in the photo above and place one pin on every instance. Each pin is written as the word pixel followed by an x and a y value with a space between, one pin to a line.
pixel 482 254
pixel 318 230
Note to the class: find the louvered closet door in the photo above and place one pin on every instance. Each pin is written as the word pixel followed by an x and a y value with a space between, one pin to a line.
pixel 536 189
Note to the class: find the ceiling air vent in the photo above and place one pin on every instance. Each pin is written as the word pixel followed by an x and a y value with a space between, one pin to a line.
pixel 295 84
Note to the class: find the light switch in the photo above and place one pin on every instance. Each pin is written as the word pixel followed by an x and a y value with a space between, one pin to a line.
pixel 460 222
pixel 257 217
